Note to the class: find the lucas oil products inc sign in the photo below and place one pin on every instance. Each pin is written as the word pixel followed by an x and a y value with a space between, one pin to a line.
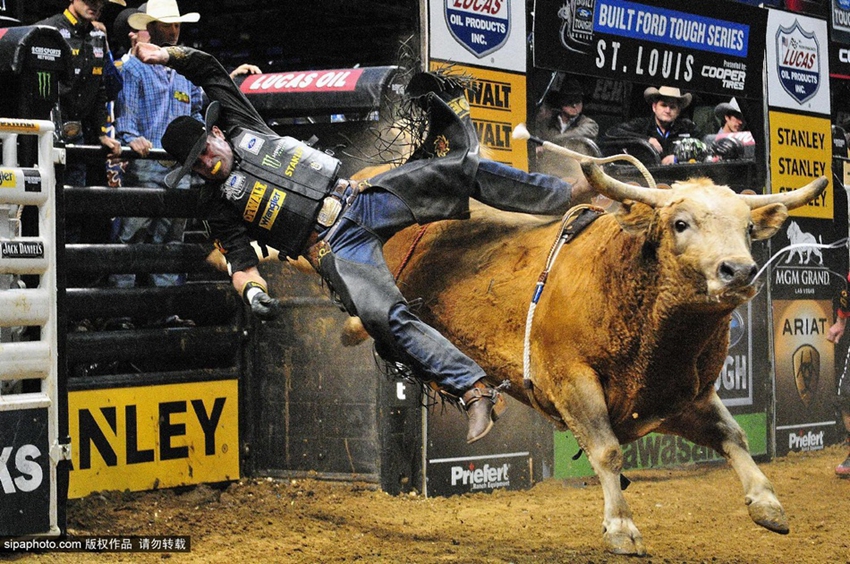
pixel 484 33
pixel 480 26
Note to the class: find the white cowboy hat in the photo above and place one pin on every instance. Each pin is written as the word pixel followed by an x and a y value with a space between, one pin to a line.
pixel 165 11
pixel 652 94
pixel 723 109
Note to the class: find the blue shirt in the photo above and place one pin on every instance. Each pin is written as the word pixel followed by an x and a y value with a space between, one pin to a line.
pixel 152 96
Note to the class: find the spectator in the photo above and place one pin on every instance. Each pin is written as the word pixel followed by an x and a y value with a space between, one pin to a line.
pixel 567 120
pixel 81 116
pixel 152 97
pixel 730 116
pixel 836 331
pixel 83 98
pixel 561 121
pixel 125 37
pixel 664 127
pixel 732 142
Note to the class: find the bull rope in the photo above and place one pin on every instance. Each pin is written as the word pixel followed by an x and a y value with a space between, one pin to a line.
pixel 527 376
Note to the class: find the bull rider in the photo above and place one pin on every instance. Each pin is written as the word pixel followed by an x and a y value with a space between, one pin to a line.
pixel 286 195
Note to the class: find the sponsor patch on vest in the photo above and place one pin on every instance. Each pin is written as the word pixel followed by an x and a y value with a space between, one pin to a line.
pixel 293 162
pixel 275 204
pixel 254 201
pixel 271 162
pixel 234 187
pixel 251 144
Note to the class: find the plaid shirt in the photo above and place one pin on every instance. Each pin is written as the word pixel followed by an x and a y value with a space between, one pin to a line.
pixel 153 95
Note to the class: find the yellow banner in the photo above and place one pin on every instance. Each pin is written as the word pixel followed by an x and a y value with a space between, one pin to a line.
pixel 143 438
pixel 801 151
pixel 18 126
pixel 497 104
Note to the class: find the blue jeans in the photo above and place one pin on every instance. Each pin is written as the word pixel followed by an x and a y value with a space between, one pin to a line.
pixel 357 272
pixel 156 230
pixel 510 189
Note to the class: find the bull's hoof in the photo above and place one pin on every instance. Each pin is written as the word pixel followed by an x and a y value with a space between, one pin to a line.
pixel 626 540
pixel 769 515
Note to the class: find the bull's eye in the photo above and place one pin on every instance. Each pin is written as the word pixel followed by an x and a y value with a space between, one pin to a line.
pixel 751 228
pixel 680 225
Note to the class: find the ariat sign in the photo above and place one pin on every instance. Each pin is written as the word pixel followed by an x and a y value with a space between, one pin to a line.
pixel 150 437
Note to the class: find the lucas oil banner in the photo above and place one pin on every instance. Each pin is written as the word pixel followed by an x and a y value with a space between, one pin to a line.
pixel 709 48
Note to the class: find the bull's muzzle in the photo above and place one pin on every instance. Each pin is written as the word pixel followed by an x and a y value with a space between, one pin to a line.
pixel 737 273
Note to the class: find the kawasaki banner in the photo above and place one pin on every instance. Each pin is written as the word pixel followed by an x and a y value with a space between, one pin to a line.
pixel 709 48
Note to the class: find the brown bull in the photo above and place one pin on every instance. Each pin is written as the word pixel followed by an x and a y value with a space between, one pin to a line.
pixel 631 330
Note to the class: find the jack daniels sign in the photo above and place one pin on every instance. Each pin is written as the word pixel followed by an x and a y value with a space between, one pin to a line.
pixel 710 48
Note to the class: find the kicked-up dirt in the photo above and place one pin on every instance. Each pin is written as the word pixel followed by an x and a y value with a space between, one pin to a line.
pixel 694 514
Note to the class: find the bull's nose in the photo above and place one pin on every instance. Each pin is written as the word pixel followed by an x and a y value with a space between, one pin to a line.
pixel 737 272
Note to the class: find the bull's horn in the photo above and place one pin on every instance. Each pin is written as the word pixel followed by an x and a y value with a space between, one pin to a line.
pixel 792 199
pixel 619 191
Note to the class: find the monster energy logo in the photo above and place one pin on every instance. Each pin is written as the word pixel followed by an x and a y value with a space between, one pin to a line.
pixel 44 84
pixel 271 162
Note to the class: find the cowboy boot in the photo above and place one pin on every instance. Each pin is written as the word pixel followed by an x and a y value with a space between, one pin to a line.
pixel 483 404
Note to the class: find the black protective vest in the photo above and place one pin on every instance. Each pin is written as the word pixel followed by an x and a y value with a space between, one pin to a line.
pixel 279 185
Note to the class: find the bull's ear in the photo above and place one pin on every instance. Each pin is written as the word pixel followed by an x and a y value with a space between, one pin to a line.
pixel 767 220
pixel 634 217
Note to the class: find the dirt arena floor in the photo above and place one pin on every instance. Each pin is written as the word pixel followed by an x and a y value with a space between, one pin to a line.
pixel 686 515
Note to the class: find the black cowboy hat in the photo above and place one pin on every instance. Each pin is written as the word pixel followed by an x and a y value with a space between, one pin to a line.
pixel 726 108
pixel 184 139
pixel 570 92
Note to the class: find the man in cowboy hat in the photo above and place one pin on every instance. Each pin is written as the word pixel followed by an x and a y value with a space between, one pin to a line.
pixel 83 99
pixel 664 127
pixel 560 120
pixel 566 119
pixel 284 194
pixel 730 116
pixel 153 96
